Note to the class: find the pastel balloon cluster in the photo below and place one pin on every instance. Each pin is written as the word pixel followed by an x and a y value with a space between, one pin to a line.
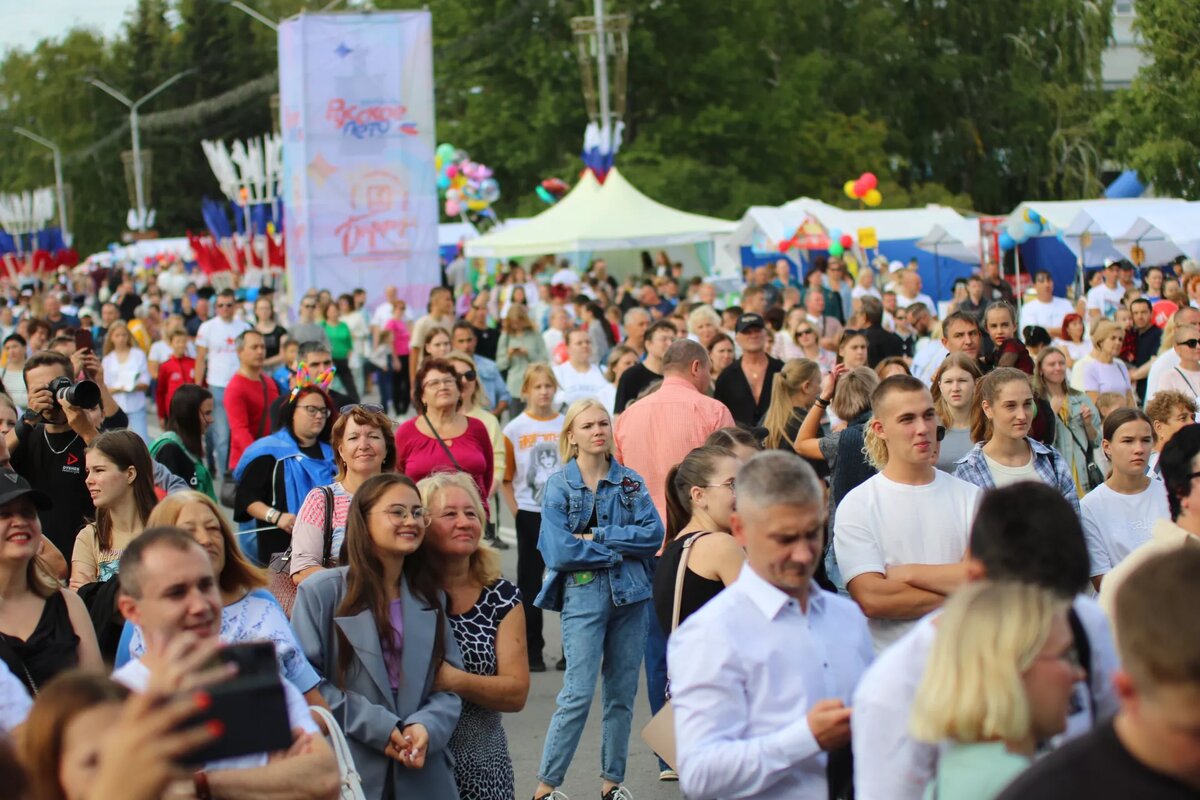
pixel 864 188
pixel 1021 231
pixel 463 184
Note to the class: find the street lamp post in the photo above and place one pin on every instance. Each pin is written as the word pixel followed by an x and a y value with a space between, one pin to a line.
pixel 133 106
pixel 59 195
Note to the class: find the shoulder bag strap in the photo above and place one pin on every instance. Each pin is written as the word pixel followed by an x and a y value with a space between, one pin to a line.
pixel 442 442
pixel 328 494
pixel 262 423
pixel 1087 448
pixel 679 573
pixel 1189 383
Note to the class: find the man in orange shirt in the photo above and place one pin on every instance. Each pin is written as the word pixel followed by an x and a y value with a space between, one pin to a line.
pixel 653 435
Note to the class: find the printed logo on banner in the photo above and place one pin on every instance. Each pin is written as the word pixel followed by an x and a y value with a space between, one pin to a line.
pixel 370 119
pixel 380 219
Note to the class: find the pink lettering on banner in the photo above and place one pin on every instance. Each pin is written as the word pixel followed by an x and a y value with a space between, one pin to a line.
pixel 369 120
pixel 379 220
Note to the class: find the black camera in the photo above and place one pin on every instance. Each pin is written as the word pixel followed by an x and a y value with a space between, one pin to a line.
pixel 84 394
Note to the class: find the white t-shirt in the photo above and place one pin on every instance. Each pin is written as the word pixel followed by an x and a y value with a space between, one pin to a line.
pixel 136 676
pixel 881 523
pixel 553 337
pixel 220 339
pixel 1006 476
pixel 123 377
pixel 1101 377
pixel 1076 350
pixel 15 701
pixel 160 351
pixel 1115 525
pixel 1105 300
pixel 1181 380
pixel 904 302
pixel 574 385
pixel 1166 362
pixel 1046 315
pixel 890 765
pixel 564 277
pixel 532 446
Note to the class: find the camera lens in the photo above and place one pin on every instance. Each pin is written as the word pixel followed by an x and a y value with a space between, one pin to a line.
pixel 85 394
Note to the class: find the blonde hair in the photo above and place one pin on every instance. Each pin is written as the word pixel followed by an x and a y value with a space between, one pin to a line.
pixel 784 384
pixel 566 450
pixel 485 561
pixel 110 344
pixel 1039 377
pixel 534 371
pixel 988 635
pixel 853 393
pixel 954 361
pixel 479 398
pixel 238 573
pixel 701 313
pixel 1104 329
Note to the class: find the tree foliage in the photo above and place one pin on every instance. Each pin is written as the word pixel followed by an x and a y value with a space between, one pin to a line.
pixel 1156 123
pixel 977 104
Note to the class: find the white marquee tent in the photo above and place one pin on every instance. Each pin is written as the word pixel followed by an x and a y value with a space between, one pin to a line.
pixel 1163 234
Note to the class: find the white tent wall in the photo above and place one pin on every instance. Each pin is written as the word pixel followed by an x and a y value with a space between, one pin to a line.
pixel 1163 234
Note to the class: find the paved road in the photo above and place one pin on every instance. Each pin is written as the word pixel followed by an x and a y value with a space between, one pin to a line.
pixel 527 730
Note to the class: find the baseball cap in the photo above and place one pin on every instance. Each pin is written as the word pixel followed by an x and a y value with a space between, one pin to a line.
pixel 13 486
pixel 747 321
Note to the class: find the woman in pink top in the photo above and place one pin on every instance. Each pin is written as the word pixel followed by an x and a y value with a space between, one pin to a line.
pixel 401 337
pixel 441 438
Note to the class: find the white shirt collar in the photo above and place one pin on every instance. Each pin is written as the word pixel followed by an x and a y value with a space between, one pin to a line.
pixel 771 600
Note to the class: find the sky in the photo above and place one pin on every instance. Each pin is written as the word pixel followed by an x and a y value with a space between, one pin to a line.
pixel 24 22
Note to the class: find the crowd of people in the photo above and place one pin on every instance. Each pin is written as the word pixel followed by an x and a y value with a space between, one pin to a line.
pixel 862 543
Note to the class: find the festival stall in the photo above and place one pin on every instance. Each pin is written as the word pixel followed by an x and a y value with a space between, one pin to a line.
pixel 608 218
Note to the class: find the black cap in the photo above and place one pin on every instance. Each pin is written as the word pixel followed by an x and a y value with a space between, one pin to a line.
pixel 747 321
pixel 13 486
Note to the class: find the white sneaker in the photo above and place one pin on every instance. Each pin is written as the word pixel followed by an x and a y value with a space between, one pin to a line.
pixel 554 795
pixel 617 793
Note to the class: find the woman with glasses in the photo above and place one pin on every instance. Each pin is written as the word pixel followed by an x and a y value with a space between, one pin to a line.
pixel 474 400
pixel 362 448
pixel 377 632
pixel 443 437
pixel 180 447
pixel 599 534
pixel 278 471
pixel 700 499
pixel 488 623
pixel 998 683
pixel 1077 421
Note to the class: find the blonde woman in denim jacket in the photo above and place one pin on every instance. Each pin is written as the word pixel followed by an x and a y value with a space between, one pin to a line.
pixel 599 533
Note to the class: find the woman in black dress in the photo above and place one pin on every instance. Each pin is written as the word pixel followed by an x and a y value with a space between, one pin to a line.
pixel 266 323
pixel 489 625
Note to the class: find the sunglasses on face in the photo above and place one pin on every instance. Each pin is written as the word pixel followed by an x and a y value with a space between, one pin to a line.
pixel 469 375
pixel 1191 343
pixel 804 332
pixel 224 305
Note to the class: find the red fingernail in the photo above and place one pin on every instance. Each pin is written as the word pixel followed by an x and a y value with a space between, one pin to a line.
pixel 215 727
pixel 203 700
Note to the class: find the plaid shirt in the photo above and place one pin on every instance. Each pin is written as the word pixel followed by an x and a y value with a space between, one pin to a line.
pixel 1048 463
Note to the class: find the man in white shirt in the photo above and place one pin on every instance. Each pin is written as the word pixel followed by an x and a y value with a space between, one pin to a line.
pixel 908 290
pixel 1105 298
pixel 761 674
pixel 1046 310
pixel 1168 360
pixel 900 536
pixel 1025 533
pixel 579 378
pixel 216 363
pixel 169 590
pixel 1184 377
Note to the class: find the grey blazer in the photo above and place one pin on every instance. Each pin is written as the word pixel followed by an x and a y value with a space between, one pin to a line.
pixel 367 708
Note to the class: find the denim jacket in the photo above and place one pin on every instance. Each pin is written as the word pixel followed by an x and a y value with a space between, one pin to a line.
pixel 1048 463
pixel 628 533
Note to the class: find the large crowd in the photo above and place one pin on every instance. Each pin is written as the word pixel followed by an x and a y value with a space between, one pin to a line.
pixel 862 543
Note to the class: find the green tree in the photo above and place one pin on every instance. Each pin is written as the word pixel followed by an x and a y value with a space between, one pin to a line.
pixel 1156 122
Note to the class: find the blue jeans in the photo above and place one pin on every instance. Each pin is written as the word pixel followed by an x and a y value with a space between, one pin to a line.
pixel 594 630
pixel 217 436
pixel 656 666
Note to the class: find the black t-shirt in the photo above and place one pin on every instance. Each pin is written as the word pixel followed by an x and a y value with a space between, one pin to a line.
pixel 173 457
pixel 1096 766
pixel 486 341
pixel 734 391
pixel 261 482
pixel 633 382
pixel 129 306
pixel 53 464
pixel 273 340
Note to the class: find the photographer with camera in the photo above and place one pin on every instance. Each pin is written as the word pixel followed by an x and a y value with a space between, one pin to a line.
pixel 47 445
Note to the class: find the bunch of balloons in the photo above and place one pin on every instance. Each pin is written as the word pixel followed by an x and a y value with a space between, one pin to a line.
pixel 864 188
pixel 1019 232
pixel 551 190
pixel 839 242
pixel 464 185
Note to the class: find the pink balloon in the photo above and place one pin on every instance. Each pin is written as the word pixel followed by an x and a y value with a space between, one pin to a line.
pixel 868 181
pixel 452 208
pixel 451 171
pixel 860 188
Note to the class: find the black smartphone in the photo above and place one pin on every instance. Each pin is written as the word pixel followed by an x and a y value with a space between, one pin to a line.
pixel 83 339
pixel 251 706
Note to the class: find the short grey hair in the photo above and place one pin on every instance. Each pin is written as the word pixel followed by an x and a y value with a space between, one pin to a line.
pixel 681 354
pixel 872 309
pixel 701 313
pixel 634 313
pixel 776 477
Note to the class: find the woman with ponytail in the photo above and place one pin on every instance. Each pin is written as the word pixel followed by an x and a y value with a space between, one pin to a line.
pixel 700 498
pixel 793 390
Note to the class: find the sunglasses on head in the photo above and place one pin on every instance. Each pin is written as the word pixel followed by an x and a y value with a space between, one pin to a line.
pixel 374 408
